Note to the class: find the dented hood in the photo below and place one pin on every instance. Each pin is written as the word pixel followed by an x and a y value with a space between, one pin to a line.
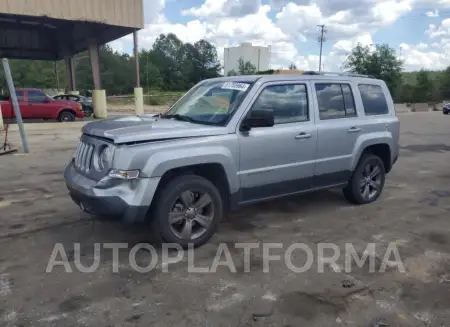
pixel 148 128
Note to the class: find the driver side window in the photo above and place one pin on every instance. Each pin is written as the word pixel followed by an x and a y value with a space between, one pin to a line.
pixel 289 102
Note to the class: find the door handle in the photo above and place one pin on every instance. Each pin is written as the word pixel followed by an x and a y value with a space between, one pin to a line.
pixel 303 135
pixel 354 130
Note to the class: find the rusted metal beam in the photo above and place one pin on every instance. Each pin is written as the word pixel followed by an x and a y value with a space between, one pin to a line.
pixel 70 70
pixel 95 63
pixel 136 57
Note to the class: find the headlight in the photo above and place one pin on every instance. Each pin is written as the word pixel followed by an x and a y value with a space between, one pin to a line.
pixel 105 158
pixel 80 107
pixel 124 174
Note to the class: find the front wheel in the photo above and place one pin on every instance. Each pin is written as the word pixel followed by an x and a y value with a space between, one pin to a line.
pixel 66 116
pixel 367 181
pixel 445 112
pixel 188 211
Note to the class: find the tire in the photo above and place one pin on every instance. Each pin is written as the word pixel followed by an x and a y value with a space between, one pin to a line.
pixel 66 116
pixel 169 200
pixel 356 190
pixel 445 112
pixel 88 112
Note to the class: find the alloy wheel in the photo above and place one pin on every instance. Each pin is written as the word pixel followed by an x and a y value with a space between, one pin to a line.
pixel 370 181
pixel 191 215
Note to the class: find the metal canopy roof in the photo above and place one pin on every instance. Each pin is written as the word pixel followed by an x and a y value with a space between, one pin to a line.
pixel 53 29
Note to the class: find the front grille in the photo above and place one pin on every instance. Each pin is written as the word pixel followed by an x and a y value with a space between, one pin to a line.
pixel 83 158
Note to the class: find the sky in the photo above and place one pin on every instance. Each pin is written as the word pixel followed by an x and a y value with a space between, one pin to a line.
pixel 419 30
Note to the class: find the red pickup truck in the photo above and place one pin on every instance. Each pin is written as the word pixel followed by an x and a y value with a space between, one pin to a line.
pixel 34 103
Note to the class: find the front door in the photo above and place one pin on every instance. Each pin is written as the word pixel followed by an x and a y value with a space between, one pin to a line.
pixel 39 104
pixel 279 160
pixel 338 129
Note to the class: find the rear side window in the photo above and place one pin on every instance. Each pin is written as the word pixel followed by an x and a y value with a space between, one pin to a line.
pixel 373 99
pixel 335 101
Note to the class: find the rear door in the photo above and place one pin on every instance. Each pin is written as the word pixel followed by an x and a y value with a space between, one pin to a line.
pixel 39 104
pixel 339 126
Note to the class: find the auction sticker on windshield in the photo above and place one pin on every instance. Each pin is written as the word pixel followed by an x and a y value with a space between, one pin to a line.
pixel 235 86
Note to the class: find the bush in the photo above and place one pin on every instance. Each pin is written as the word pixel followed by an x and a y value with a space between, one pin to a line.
pixel 155 100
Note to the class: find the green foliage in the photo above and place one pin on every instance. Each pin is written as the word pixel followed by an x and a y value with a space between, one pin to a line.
pixel 409 87
pixel 169 65
pixel 246 67
pixel 292 66
pixel 423 88
pixel 380 63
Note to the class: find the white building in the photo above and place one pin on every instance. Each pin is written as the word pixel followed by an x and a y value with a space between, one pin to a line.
pixel 258 56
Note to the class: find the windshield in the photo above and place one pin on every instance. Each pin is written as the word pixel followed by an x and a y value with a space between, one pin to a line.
pixel 212 102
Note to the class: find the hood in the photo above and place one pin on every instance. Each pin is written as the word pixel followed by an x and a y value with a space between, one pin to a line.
pixel 148 128
pixel 64 102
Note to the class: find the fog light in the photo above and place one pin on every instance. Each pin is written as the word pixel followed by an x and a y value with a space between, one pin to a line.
pixel 124 174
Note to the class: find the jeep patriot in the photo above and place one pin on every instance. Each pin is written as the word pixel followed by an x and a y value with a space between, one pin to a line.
pixel 233 141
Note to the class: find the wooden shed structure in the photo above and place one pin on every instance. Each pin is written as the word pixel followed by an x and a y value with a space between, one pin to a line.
pixel 58 29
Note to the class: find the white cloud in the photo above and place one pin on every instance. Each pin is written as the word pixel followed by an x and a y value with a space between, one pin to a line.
pixel 434 31
pixel 225 8
pixel 432 13
pixel 346 46
pixel 231 22
pixel 152 10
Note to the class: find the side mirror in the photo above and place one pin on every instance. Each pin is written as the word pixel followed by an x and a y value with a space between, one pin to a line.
pixel 258 118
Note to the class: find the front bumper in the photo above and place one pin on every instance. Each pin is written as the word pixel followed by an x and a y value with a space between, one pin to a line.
pixel 121 199
pixel 79 114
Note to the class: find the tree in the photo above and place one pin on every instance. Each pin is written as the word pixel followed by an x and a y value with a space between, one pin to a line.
pixel 292 66
pixel 380 62
pixel 232 73
pixel 246 67
pixel 207 60
pixel 169 65
pixel 445 84
pixel 423 88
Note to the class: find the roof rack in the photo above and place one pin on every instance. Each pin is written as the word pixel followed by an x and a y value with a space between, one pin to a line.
pixel 336 74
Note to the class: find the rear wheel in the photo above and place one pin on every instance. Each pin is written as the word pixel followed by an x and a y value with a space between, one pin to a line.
pixel 66 116
pixel 188 211
pixel 367 181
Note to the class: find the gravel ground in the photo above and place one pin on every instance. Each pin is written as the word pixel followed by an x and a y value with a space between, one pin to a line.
pixel 411 216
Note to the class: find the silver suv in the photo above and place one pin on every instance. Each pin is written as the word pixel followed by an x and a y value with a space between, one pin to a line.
pixel 233 141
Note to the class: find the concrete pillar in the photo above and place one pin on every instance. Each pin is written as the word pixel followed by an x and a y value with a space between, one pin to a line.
pixel 1 119
pixel 139 101
pixel 70 69
pixel 99 103
pixel 98 95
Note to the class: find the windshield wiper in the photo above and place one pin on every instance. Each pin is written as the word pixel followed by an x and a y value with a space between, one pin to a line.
pixel 180 117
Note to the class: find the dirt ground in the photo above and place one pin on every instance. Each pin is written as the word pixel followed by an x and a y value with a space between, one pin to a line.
pixel 412 213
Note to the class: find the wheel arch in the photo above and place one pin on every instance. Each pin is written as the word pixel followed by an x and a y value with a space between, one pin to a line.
pixel 379 147
pixel 60 111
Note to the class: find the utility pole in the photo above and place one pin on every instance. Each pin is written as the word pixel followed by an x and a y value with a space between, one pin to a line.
pixel 15 103
pixel 321 40
pixel 400 57
pixel 57 75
